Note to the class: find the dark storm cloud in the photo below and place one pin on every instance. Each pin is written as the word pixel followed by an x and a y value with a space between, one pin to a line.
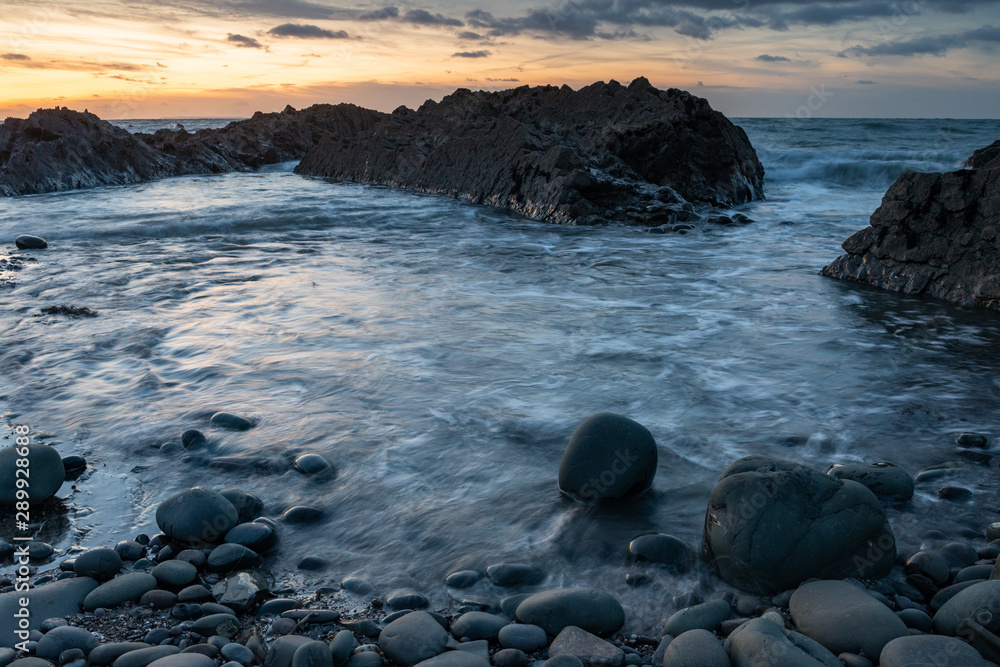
pixel 244 42
pixel 772 59
pixel 471 54
pixel 937 45
pixel 424 17
pixel 303 31
pixel 380 14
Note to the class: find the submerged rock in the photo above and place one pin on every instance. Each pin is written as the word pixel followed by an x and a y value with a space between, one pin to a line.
pixel 604 152
pixel 773 524
pixel 46 470
pixel 609 456
pixel 934 235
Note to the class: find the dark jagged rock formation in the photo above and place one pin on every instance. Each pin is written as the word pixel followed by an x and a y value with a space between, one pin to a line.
pixel 605 152
pixel 59 149
pixel 936 235
pixel 265 138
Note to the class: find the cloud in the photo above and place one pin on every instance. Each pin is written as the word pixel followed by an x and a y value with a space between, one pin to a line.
pixel 244 42
pixel 471 54
pixel 772 59
pixel 866 82
pixel 303 31
pixel 503 80
pixel 936 45
pixel 475 36
pixel 380 14
pixel 424 17
pixel 14 56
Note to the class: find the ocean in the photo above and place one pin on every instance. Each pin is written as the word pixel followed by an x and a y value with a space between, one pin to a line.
pixel 439 354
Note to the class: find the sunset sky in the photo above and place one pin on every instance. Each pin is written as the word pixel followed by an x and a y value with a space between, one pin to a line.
pixel 228 58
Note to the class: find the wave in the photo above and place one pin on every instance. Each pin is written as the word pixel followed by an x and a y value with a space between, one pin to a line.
pixel 854 168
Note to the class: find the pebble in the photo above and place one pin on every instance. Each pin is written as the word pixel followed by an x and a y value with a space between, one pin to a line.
pixel 228 557
pixel 130 550
pixel 595 611
pixel 477 625
pixel 47 473
pixel 462 579
pixel 158 599
pixel 514 574
pixel 175 574
pixel 124 588
pixel 60 639
pixel 39 551
pixel 527 638
pixel 357 586
pixel 592 650
pixel 663 550
pixel 311 564
pixel 277 606
pixel 404 599
pixel 705 616
pixel 184 660
pixel 145 656
pixel 930 650
pixel 241 591
pixel 192 439
pixel 230 422
pixel 593 466
pixel 302 514
pixel 972 440
pixel 366 659
pixel 225 625
pixel 196 516
pixel 194 593
pixel 341 646
pixel 74 464
pixel 311 464
pixel 283 626
pixel 254 535
pixel 413 638
pixel 695 648
pixel 312 654
pixel 247 505
pixel 956 493
pixel 105 654
pixel 29 242
pixel 283 650
pixel 510 657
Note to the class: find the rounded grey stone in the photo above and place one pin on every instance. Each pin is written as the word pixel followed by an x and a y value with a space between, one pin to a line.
pixel 609 456
pixel 477 625
pixel 29 242
pixel 47 473
pixel 969 604
pixel 237 653
pixel 105 654
pixel 843 618
pixel 514 574
pixel 455 659
pixel 586 608
pixel 522 636
pixel 761 643
pixel 341 646
pixel 225 625
pixel 240 590
pixel 101 564
pixel 313 654
pixel 705 616
pixel 125 588
pixel 404 599
pixel 144 656
pixel 66 637
pixel 175 574
pixel 228 557
pixel 184 660
pixel 366 659
pixel 196 516
pixel 885 480
pixel 310 464
pixel 230 422
pixel 247 504
pixel 930 650
pixel 283 649
pixel 413 638
pixel 695 648
pixel 663 550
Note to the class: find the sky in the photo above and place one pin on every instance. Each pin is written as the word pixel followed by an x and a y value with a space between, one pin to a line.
pixel 229 58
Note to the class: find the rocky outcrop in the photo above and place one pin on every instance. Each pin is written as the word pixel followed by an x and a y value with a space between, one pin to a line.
pixel 605 152
pixel 935 235
pixel 265 138
pixel 60 149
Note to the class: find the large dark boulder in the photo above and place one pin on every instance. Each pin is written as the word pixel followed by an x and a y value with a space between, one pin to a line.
pixel 609 456
pixel 604 152
pixel 45 467
pixel 935 235
pixel 196 516
pixel 773 524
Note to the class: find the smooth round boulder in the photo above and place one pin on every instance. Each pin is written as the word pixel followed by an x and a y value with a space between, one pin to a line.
pixel 462 579
pixel 969 604
pixel 29 242
pixel 695 648
pixel 101 564
pixel 302 514
pixel 234 652
pixel 705 616
pixel 405 599
pixel 184 660
pixel 196 516
pixel 63 638
pixel 524 637
pixel 74 464
pixel 456 659
pixel 283 649
pixel 247 504
pixel 844 618
pixel 608 457
pixel 310 464
pixel 885 480
pixel 130 550
pixel 592 610
pixel 930 650
pixel 230 422
pixel 313 654
pixel 192 439
pixel 762 643
pixel 228 557
pixel 175 574
pixel 477 625
pixel 413 638
pixel 771 524
pixel 105 654
pixel 514 574
pixel 510 657
pixel 125 588
pixel 972 440
pixel 46 470
pixel 663 550
pixel 258 537
pixel 144 656
pixel 341 647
